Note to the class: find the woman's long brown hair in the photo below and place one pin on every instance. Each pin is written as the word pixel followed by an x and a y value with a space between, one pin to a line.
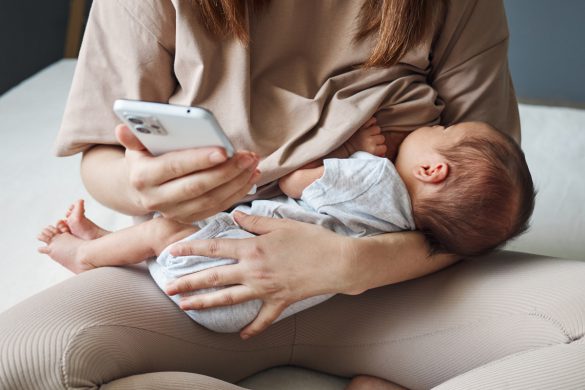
pixel 398 25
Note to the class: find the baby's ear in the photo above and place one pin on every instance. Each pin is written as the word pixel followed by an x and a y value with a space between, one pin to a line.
pixel 432 173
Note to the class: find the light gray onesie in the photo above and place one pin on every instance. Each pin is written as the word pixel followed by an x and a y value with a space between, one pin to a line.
pixel 359 196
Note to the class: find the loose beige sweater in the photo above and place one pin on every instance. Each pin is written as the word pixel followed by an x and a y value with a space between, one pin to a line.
pixel 297 92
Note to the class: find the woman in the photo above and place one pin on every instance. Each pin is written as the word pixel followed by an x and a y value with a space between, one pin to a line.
pixel 289 81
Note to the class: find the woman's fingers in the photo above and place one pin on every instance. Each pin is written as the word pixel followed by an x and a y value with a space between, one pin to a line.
pixel 127 139
pixel 267 315
pixel 212 277
pixel 221 205
pixel 258 224
pixel 224 297
pixel 230 248
pixel 213 202
pixel 203 190
pixel 153 171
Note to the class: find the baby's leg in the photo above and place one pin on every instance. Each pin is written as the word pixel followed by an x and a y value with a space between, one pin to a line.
pixel 127 246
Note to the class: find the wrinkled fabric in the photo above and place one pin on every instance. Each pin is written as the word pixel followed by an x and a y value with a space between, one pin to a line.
pixel 297 92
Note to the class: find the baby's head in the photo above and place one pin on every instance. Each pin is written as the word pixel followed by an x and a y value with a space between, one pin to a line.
pixel 470 186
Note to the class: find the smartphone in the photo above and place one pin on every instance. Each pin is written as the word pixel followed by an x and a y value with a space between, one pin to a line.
pixel 164 128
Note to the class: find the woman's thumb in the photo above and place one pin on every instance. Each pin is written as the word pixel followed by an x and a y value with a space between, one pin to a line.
pixel 257 224
pixel 127 139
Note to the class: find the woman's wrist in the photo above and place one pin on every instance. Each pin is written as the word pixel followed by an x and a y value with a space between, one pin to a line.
pixel 349 282
pixel 375 261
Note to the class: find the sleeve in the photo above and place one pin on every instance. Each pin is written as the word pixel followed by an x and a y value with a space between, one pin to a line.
pixel 127 53
pixel 364 193
pixel 410 103
pixel 470 66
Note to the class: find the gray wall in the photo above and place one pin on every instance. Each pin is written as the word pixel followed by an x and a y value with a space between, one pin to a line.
pixel 547 49
pixel 32 36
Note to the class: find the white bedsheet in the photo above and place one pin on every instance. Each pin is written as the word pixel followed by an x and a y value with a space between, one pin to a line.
pixel 36 188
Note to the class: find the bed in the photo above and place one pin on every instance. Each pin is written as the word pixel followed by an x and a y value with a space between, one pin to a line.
pixel 36 188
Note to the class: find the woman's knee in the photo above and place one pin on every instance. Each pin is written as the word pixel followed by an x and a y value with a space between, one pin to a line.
pixel 39 336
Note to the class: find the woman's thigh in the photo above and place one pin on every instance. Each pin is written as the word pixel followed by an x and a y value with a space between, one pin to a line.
pixel 421 333
pixel 113 323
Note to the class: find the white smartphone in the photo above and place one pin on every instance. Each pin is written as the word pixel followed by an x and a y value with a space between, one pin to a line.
pixel 164 128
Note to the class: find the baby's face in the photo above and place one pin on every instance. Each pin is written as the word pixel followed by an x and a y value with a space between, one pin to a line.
pixel 422 145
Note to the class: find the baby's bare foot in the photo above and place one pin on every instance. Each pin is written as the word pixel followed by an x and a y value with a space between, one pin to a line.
pixel 366 382
pixel 63 247
pixel 368 138
pixel 80 226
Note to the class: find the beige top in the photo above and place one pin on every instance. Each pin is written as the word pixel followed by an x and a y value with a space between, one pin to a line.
pixel 296 94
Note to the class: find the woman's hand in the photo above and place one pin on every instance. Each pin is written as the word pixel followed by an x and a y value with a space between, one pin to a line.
pixel 187 185
pixel 288 261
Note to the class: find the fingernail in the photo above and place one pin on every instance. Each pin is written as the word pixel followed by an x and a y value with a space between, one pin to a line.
pixel 245 336
pixel 245 162
pixel 239 214
pixel 217 157
pixel 254 176
pixel 251 168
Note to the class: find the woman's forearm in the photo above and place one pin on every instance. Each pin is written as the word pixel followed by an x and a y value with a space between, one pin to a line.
pixel 104 174
pixel 387 259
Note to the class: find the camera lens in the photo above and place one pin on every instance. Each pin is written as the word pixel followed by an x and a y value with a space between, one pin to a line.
pixel 136 121
pixel 144 130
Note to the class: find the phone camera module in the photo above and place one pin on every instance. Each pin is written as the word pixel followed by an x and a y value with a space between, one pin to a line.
pixel 136 121
pixel 143 130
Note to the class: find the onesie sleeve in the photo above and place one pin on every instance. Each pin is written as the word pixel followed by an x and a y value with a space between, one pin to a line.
pixel 363 193
pixel 470 66
pixel 127 53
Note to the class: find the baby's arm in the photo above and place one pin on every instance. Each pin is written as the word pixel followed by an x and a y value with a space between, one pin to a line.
pixel 294 183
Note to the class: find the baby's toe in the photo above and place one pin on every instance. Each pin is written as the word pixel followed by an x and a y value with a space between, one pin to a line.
pixel 44 250
pixel 62 227
pixel 44 238
pixel 52 230
pixel 47 234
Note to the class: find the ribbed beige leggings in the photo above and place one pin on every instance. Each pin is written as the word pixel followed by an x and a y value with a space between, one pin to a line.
pixel 509 321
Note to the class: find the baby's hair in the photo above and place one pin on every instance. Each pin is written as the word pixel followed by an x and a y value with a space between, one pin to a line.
pixel 486 200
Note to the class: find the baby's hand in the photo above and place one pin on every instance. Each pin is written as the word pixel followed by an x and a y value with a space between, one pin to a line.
pixel 368 138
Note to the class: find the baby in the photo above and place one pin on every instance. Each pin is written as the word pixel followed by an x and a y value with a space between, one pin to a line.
pixel 466 187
